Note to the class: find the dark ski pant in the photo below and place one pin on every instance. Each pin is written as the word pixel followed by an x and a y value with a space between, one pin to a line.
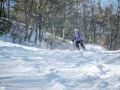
pixel 81 43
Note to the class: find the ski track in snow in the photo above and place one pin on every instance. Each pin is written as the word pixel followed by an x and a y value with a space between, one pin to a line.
pixel 28 68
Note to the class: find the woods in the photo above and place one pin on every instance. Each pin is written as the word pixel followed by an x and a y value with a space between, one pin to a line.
pixel 99 22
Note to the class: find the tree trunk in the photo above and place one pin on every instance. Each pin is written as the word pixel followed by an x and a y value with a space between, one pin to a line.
pixel 26 18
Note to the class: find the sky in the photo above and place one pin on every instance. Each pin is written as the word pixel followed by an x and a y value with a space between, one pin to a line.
pixel 106 2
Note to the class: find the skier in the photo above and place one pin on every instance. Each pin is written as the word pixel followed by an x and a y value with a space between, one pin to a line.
pixel 77 39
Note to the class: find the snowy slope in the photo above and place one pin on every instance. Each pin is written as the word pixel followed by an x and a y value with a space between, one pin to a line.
pixel 18 37
pixel 27 68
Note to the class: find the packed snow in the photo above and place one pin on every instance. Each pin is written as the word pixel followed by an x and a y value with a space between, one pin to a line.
pixel 28 68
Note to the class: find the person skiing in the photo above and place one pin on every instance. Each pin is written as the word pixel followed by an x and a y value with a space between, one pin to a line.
pixel 77 39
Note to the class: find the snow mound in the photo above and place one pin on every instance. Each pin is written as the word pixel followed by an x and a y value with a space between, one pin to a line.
pixel 28 68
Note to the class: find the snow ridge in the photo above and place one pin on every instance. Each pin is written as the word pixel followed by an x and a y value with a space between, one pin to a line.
pixel 28 68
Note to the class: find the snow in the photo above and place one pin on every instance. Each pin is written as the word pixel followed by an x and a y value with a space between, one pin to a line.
pixel 28 68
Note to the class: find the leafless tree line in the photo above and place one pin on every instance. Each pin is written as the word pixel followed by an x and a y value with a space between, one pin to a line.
pixel 99 24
